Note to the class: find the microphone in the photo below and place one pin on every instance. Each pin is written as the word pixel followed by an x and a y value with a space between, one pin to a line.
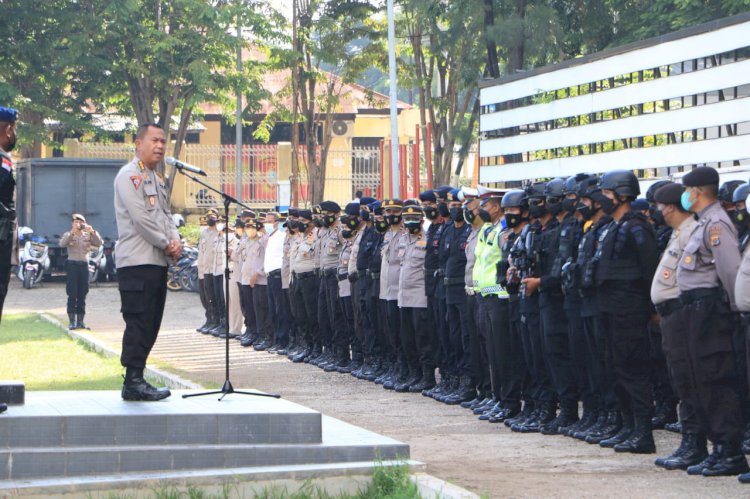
pixel 184 166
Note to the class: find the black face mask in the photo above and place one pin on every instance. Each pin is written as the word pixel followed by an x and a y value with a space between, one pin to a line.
pixel 513 220
pixel 586 211
pixel 413 226
pixel 318 222
pixel 350 222
pixel 469 216
pixel 328 220
pixel 608 205
pixel 443 210
pixel 554 208
pixel 12 143
pixel 381 226
pixel 393 219
pixel 537 210
pixel 259 225
pixel 457 214
pixel 657 216
pixel 430 212
pixel 346 233
pixel 741 217
pixel 303 225
pixel 569 205
pixel 210 222
pixel 484 215
pixel 364 215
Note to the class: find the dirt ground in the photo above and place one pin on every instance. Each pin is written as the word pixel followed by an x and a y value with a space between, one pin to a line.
pixel 485 458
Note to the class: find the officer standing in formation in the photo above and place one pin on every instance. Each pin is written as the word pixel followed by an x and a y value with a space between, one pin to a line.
pixel 148 240
pixel 79 241
pixel 8 118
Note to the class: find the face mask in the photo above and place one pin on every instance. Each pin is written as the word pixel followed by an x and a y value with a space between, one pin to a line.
pixel 220 227
pixel 381 226
pixel 269 228
pixel 346 233
pixel 12 143
pixel 586 211
pixel 741 217
pixel 350 222
pixel 685 201
pixel 430 212
pixel 413 226
pixel 513 220
pixel 456 214
pixel 554 208
pixel 443 210
pixel 281 228
pixel 569 205
pixel 608 205
pixel 302 225
pixel 318 222
pixel 537 210
pixel 364 215
pixel 328 220
pixel 259 225
pixel 210 222
pixel 485 215
pixel 657 216
pixel 393 219
pixel 469 216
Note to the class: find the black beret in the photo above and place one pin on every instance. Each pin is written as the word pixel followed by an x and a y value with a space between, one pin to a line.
pixel 366 200
pixel 8 114
pixel 442 192
pixel 669 194
pixel 352 209
pixel 293 212
pixel 703 175
pixel 376 207
pixel 331 206
pixel 306 214
pixel 428 196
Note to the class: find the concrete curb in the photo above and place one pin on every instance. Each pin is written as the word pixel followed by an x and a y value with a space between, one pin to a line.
pixel 433 487
pixel 164 377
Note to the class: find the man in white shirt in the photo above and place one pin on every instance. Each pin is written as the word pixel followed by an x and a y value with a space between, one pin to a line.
pixel 278 308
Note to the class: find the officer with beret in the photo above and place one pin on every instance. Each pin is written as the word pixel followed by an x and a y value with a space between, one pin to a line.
pixel 706 278
pixel 206 250
pixel 375 333
pixel 305 279
pixel 361 284
pixel 295 345
pixel 353 222
pixel 78 240
pixel 8 118
pixel 665 294
pixel 148 239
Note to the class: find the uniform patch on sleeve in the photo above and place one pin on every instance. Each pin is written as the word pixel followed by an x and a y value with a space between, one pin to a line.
pixel 7 165
pixel 715 236
pixel 136 179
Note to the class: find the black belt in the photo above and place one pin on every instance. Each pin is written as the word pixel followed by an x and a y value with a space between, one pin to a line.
pixel 698 294
pixel 353 276
pixel 327 272
pixel 452 281
pixel 303 275
pixel 275 273
pixel 669 306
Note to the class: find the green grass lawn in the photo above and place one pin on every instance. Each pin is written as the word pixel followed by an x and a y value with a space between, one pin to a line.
pixel 45 358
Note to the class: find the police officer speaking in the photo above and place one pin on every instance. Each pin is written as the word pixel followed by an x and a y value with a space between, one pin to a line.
pixel 148 238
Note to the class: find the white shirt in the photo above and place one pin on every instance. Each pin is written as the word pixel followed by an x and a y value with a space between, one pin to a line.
pixel 274 252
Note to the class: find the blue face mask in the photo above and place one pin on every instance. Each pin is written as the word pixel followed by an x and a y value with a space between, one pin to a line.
pixel 685 201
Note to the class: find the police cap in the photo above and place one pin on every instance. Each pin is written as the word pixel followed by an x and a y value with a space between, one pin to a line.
pixel 8 114
pixel 453 195
pixel 703 175
pixel 442 192
pixel 78 216
pixel 212 211
pixel 376 207
pixel 428 196
pixel 293 212
pixel 331 206
pixel 413 209
pixel 247 214
pixel 669 193
pixel 392 204
pixel 352 209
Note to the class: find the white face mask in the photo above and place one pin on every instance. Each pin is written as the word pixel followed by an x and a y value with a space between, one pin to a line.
pixel 269 228
pixel 220 227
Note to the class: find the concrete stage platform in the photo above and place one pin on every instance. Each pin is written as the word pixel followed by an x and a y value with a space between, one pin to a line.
pixel 74 442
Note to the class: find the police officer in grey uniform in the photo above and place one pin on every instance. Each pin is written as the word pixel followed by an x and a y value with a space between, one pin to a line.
pixel 79 241
pixel 706 278
pixel 206 244
pixel 304 277
pixel 665 294
pixel 147 240
pixel 389 276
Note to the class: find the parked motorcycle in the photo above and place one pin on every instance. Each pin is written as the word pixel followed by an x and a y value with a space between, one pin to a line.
pixel 184 273
pixel 108 271
pixel 96 261
pixel 33 257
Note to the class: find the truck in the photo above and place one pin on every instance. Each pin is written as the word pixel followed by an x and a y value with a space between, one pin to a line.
pixel 50 190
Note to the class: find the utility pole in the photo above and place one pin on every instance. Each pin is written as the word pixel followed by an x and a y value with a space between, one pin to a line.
pixel 238 112
pixel 392 74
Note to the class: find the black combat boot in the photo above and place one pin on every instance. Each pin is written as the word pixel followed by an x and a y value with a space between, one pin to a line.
pixel 528 408
pixel 693 451
pixel 746 440
pixel 598 424
pixel 79 322
pixel 72 322
pixel 507 412
pixel 464 392
pixel 609 429
pixel 545 414
pixel 426 382
pixel 414 374
pixel 138 389
pixel 731 461
pixel 709 461
pixel 220 330
pixel 674 455
pixel 471 404
pixel 487 404
pixel 200 329
pixel 641 440
pixel 666 413
pixel 491 411
pixel 675 427
pixel 586 421
pixel 567 416
pixel 625 430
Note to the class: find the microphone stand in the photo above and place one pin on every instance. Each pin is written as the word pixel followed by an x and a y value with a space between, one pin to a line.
pixel 227 388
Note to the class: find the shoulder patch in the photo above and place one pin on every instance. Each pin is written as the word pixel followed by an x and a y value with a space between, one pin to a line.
pixel 715 235
pixel 136 179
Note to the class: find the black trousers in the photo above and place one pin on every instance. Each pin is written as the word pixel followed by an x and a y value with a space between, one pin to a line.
pixel 306 304
pixel 708 333
pixel 77 286
pixel 368 314
pixel 415 337
pixel 480 369
pixel 208 286
pixel 278 310
pixel 338 330
pixel 599 372
pixel 440 344
pixel 6 249
pixel 577 348
pixel 262 316
pixel 740 359
pixel 506 353
pixel 483 339
pixel 541 382
pixel 352 343
pixel 557 349
pixel 458 340
pixel 143 294
pixel 663 391
pixel 393 330
pixel 295 334
pixel 678 366
pixel 518 333
pixel 248 309
pixel 205 301
pixel 325 325
pixel 357 335
pixel 628 354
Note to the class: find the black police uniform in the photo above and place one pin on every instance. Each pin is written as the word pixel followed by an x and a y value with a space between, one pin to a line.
pixel 435 292
pixel 7 222
pixel 368 246
pixel 453 250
